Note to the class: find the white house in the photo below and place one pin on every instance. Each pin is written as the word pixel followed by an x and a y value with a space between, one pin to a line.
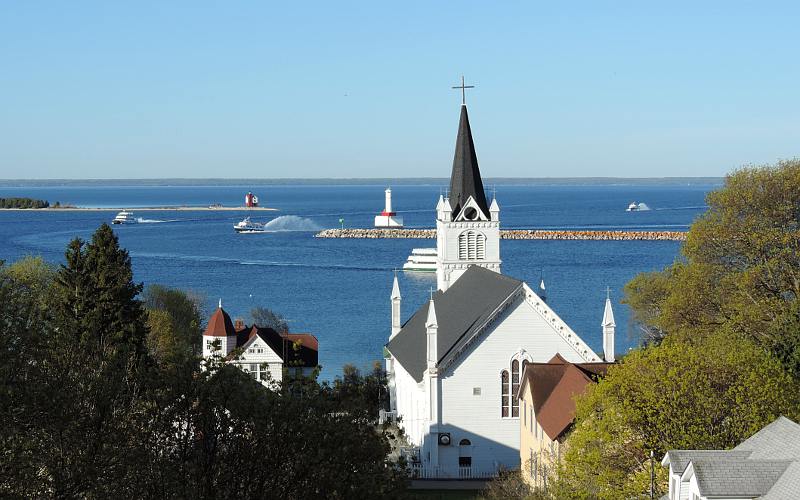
pixel 766 465
pixel 455 366
pixel 262 352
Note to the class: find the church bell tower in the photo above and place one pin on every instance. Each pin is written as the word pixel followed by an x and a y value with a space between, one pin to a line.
pixel 467 227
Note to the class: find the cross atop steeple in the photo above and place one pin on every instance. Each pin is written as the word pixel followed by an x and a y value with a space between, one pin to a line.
pixel 463 89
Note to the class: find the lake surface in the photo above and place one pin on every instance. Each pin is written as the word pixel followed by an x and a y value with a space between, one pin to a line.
pixel 338 289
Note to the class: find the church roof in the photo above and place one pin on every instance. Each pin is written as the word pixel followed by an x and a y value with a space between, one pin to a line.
pixel 465 180
pixel 461 310
pixel 554 386
pixel 220 325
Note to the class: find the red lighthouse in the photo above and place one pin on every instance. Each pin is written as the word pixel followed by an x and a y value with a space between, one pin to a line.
pixel 250 200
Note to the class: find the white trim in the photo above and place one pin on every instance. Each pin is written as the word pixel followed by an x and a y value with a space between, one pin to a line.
pixel 559 326
pixel 471 203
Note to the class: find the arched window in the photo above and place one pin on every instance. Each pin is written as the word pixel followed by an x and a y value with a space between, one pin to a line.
pixel 514 388
pixel 465 453
pixel 504 393
pixel 471 246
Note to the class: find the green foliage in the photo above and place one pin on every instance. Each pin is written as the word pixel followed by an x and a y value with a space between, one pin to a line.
pixel 362 394
pixel 267 318
pixel 23 203
pixel 101 397
pixel 508 485
pixel 712 392
pixel 173 321
pixel 741 267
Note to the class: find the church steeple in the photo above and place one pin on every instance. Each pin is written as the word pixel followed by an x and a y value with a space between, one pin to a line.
pixel 465 179
pixel 467 228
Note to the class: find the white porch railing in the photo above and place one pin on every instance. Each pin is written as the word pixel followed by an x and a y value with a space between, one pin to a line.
pixel 421 471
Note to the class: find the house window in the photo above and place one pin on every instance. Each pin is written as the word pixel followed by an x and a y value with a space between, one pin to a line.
pixel 471 246
pixel 514 388
pixel 465 453
pixel 476 391
pixel 504 392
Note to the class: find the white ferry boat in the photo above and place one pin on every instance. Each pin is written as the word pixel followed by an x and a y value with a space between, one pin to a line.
pixel 633 207
pixel 124 217
pixel 421 260
pixel 247 226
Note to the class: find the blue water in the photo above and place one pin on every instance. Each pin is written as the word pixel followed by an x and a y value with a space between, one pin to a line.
pixel 339 289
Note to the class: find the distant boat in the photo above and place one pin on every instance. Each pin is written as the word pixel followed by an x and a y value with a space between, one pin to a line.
pixel 124 217
pixel 637 207
pixel 421 260
pixel 247 226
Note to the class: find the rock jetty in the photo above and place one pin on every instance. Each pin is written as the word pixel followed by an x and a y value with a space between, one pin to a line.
pixel 512 234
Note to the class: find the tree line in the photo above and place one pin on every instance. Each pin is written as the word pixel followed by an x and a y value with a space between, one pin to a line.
pixel 103 393
pixel 23 203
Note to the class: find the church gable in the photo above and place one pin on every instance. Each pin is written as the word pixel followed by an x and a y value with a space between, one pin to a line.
pixel 472 211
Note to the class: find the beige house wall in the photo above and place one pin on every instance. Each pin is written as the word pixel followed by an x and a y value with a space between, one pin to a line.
pixel 537 452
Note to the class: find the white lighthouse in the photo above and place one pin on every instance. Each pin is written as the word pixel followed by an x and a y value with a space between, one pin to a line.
pixel 388 218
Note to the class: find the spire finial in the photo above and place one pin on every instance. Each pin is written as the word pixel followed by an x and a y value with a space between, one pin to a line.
pixel 608 293
pixel 431 290
pixel 220 303
pixel 463 89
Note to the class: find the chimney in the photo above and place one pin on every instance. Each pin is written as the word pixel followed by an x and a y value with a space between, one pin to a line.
pixel 238 324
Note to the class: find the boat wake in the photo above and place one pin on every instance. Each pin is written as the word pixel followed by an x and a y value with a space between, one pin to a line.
pixel 142 220
pixel 698 207
pixel 240 262
pixel 291 223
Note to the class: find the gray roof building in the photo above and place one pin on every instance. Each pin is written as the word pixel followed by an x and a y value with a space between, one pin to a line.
pixel 463 309
pixel 766 465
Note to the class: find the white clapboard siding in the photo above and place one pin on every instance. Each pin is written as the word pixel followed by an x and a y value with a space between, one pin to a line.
pixel 495 440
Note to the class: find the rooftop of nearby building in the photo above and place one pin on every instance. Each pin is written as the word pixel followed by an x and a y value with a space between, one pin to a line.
pixel 295 349
pixel 766 465
pixel 553 387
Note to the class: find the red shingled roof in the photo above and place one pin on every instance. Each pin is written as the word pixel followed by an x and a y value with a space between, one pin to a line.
pixel 220 325
pixel 553 387
pixel 306 339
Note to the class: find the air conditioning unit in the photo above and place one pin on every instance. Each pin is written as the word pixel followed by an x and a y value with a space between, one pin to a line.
pixel 444 439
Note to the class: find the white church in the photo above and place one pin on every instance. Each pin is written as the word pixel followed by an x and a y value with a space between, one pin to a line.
pixel 455 365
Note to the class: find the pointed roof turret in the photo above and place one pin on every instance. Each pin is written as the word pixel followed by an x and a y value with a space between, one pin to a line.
pixel 431 321
pixel 608 314
pixel 220 324
pixel 465 180
pixel 395 288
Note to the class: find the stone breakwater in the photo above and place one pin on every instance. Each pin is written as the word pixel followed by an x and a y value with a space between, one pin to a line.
pixel 512 234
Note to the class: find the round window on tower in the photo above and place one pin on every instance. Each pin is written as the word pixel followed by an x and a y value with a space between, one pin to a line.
pixel 470 213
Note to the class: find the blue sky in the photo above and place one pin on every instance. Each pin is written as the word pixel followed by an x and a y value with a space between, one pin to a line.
pixel 362 89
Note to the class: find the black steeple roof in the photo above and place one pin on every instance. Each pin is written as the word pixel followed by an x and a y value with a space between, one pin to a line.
pixel 465 181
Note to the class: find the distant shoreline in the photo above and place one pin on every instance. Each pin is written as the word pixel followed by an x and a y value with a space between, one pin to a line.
pixel 140 209
pixel 379 181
